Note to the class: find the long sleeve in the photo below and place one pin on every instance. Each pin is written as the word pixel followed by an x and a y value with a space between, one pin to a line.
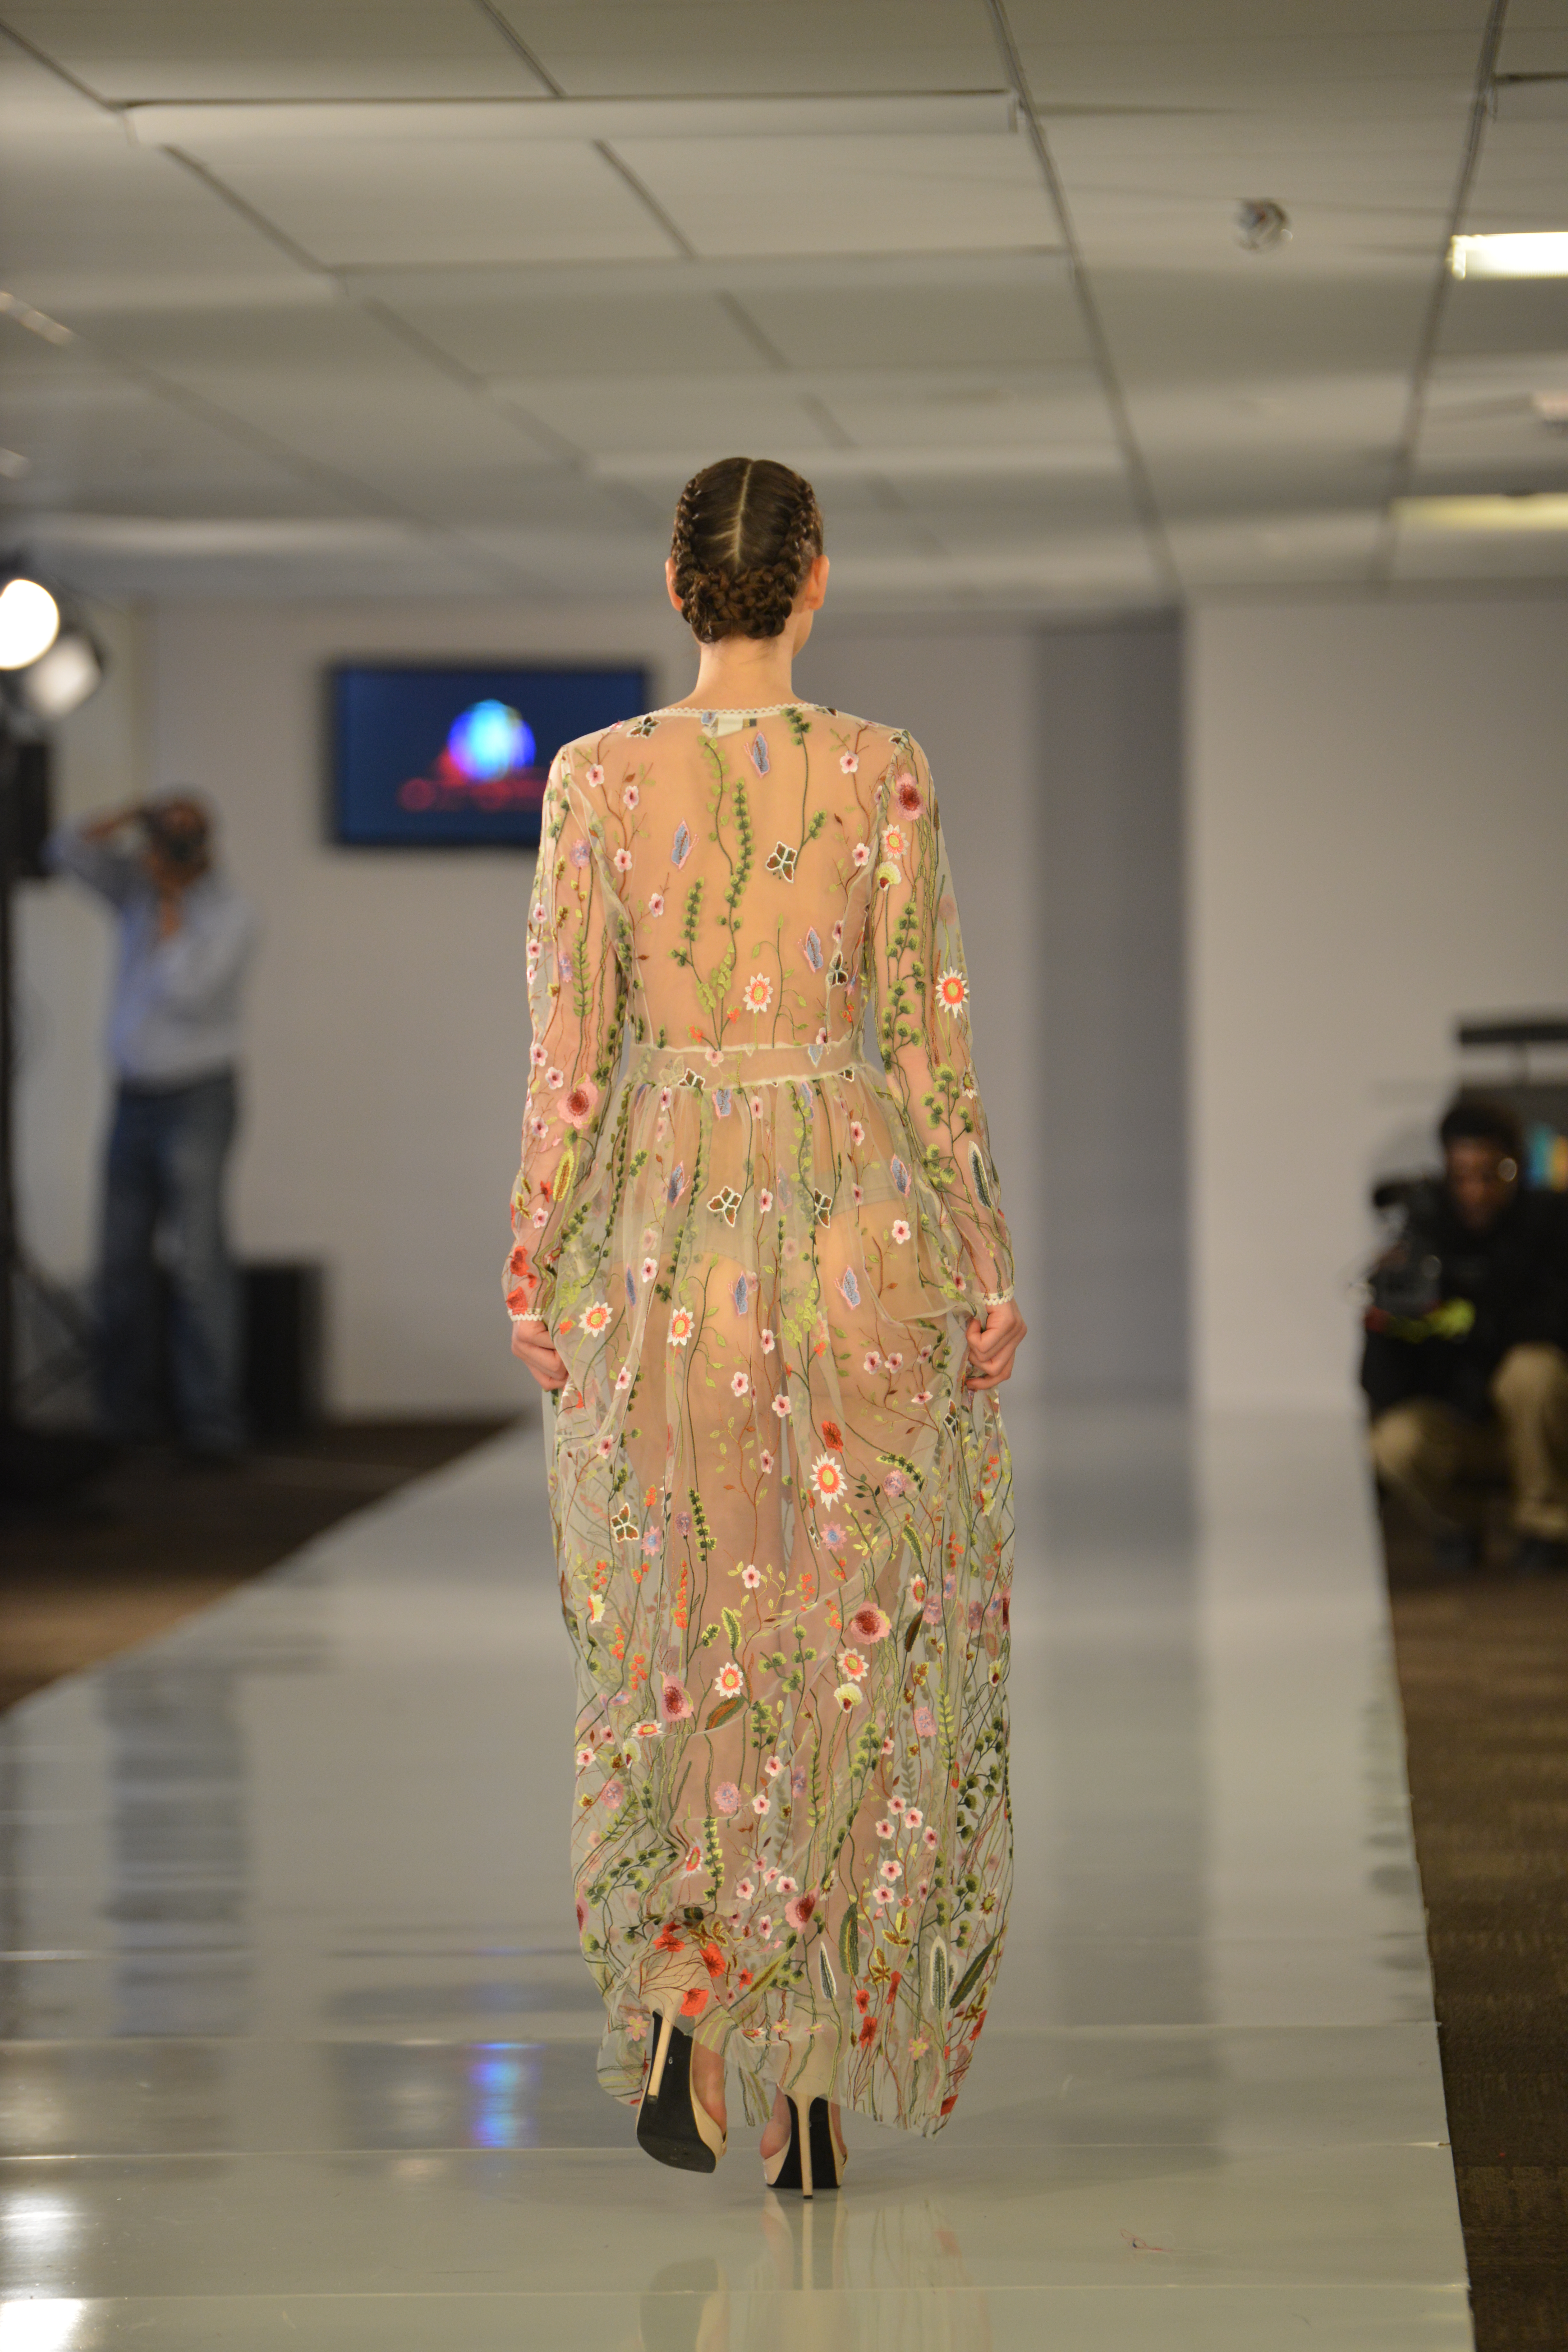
pixel 113 873
pixel 920 990
pixel 577 999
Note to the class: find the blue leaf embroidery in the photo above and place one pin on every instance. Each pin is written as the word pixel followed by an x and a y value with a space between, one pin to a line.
pixel 741 1293
pixel 760 754
pixel 676 1185
pixel 849 1287
pixel 631 1289
pixel 813 946
pixel 898 1172
pixel 681 849
pixel 722 1102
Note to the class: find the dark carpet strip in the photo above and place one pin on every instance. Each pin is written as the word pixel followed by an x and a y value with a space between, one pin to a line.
pixel 1483 1672
pixel 125 1559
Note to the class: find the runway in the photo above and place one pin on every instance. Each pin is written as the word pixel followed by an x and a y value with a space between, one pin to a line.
pixel 299 2049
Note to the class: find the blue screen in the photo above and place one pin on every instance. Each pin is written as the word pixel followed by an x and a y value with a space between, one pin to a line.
pixel 427 757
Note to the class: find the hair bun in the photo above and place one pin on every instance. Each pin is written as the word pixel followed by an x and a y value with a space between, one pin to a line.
pixel 746 531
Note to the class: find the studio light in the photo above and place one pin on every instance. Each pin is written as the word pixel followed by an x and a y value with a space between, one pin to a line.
pixel 29 622
pixel 1533 253
pixel 62 677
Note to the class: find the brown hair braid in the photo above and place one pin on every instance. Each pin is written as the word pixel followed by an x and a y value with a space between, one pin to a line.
pixel 746 531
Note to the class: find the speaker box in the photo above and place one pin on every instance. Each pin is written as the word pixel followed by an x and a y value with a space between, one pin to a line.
pixel 283 1306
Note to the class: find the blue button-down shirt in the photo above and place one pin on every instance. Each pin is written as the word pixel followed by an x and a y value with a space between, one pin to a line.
pixel 174 1016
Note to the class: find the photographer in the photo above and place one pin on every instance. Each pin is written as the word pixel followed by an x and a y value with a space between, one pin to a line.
pixel 186 937
pixel 1464 1366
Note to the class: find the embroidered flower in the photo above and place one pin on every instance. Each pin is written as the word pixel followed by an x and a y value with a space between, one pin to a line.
pixel 727 1799
pixel 869 1624
pixel 764 1202
pixel 766 1462
pixel 772 1768
pixel 922 1396
pixel 758 993
pixel 782 1407
pixel 593 777
pixel 908 793
pixel 849 1695
pixel 857 1132
pixel 827 1477
pixel 861 853
pixel 762 1803
pixel 892 1871
pixel 630 796
pixel 884 1827
pixel 623 861
pixel 953 991
pixel 537 1055
pixel 768 1343
pixel 745 1891
pixel 798 1911
pixel 852 1666
pixel 914 1817
pixel 682 1323
pixel 649 1268
pixel 751 1576
pixel 899 1229
pixel 729 1682
pixel 740 1385
pixel 847 764
pixel 646 1730
pixel 833 1536
pixel 655 902
pixel 872 1361
pixel 674 1704
pixel 554 1077
pixel 596 1316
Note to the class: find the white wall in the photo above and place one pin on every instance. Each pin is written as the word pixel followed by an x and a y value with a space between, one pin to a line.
pixel 1378 843
pixel 387 1030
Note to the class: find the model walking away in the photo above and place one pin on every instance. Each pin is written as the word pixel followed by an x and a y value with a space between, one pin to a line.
pixel 769 1286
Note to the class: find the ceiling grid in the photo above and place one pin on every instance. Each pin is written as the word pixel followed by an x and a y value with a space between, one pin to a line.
pixel 467 287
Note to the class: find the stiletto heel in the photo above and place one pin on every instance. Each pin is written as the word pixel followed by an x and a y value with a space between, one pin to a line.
pixel 673 2124
pixel 810 2158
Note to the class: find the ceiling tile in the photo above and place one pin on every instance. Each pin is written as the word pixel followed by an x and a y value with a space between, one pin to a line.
pixel 836 195
pixel 372 203
pixel 149 49
pixel 604 47
pixel 1027 318
pixel 523 330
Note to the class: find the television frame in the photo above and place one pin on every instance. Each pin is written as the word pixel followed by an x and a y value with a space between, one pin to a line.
pixel 396 665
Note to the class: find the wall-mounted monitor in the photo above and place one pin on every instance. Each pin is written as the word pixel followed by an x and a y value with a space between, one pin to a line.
pixel 427 756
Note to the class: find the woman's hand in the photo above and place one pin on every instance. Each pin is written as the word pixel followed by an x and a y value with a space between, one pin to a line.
pixel 532 1345
pixel 992 1348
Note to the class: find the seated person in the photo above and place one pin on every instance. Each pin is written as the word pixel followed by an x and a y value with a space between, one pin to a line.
pixel 1464 1366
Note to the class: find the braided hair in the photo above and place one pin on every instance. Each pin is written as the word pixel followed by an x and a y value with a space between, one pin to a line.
pixel 746 531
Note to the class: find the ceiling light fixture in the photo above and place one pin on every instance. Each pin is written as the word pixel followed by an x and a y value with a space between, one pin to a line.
pixel 1524 253
pixel 1530 510
pixel 29 622
pixel 60 680
pixel 1261 225
pixel 36 322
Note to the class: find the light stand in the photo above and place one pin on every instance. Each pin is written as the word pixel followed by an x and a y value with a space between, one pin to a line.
pixel 35 1463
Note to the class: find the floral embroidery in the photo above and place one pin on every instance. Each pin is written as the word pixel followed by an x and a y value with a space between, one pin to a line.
pixel 784 1531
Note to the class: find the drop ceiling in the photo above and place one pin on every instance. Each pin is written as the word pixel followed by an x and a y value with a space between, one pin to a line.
pixel 445 297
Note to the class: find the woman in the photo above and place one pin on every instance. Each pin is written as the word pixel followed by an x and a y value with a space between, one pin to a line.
pixel 781 1488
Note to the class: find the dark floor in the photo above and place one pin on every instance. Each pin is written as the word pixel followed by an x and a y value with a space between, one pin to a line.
pixel 154 1538
pixel 1483 1673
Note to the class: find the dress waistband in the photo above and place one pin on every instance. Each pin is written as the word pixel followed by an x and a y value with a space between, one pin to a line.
pixel 746 1066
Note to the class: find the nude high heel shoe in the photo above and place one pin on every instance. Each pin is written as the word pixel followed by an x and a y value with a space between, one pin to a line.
pixel 810 2158
pixel 673 2124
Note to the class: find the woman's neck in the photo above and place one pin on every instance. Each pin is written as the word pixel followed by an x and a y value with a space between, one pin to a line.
pixel 743 674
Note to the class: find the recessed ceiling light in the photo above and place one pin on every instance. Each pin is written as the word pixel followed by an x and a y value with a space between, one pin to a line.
pixel 1536 511
pixel 1551 407
pixel 1524 253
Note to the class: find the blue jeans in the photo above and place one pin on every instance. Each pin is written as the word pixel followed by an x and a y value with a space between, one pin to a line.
pixel 165 1177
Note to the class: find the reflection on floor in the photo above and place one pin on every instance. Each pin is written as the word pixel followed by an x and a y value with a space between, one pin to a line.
pixel 301 2051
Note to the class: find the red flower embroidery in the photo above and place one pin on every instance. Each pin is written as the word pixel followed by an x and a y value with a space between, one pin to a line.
pixel 833 1434
pixel 696 2002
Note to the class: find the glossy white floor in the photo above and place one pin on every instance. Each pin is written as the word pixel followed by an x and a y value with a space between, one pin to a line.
pixel 300 2053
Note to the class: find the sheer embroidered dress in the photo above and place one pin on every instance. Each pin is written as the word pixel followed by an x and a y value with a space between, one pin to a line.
pixel 785 1537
